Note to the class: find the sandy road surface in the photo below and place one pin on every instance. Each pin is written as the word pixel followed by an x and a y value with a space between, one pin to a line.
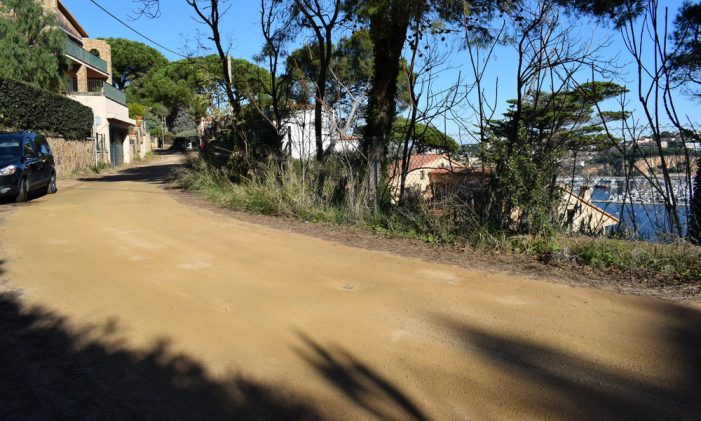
pixel 127 303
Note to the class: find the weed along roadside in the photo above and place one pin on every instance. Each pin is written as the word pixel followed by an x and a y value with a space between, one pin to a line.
pixel 673 269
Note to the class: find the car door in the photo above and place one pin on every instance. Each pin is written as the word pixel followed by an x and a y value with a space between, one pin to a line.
pixel 31 163
pixel 42 148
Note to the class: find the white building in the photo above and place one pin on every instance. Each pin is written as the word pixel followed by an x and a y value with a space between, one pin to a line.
pixel 300 139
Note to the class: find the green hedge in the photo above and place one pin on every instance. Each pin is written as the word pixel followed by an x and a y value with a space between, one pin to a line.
pixel 27 108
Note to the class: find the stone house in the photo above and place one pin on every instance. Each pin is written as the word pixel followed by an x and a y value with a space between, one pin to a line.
pixel 421 170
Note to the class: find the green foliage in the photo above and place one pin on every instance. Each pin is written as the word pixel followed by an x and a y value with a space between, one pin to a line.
pixel 686 59
pixel 250 83
pixel 662 259
pixel 354 62
pixel 31 45
pixel 267 191
pixel 198 85
pixel 137 110
pixel 132 60
pixel 426 138
pixel 28 108
pixel 527 145
pixel 162 89
pixel 617 12
pixel 695 210
pixel 352 65
pixel 601 254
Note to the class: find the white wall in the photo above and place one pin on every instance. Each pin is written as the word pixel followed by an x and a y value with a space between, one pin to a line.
pixel 105 109
pixel 301 140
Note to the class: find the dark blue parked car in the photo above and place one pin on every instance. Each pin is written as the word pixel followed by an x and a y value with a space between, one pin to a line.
pixel 26 164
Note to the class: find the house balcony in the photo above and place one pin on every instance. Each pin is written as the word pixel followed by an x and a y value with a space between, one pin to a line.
pixel 97 87
pixel 67 27
pixel 76 53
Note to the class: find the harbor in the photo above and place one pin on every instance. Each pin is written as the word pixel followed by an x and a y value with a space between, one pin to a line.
pixel 640 208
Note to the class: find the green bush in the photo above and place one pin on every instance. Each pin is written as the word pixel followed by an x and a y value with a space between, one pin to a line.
pixel 27 108
pixel 136 110
pixel 603 253
pixel 680 260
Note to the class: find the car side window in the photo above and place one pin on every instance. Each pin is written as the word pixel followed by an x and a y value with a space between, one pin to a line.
pixel 42 146
pixel 29 149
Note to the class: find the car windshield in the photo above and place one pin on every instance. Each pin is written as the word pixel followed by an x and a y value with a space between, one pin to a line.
pixel 9 147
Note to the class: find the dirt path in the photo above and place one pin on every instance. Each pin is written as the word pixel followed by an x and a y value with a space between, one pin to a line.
pixel 126 303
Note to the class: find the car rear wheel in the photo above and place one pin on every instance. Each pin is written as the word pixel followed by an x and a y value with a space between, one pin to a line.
pixel 52 187
pixel 23 190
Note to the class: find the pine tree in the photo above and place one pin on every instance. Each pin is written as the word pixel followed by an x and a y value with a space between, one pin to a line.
pixel 695 210
pixel 31 45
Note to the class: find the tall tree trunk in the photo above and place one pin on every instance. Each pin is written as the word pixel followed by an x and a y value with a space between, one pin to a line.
pixel 388 29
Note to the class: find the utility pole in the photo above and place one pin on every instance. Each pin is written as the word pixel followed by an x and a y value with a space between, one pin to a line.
pixel 228 71
pixel 163 132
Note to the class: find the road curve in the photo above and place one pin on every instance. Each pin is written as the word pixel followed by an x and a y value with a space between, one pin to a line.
pixel 122 301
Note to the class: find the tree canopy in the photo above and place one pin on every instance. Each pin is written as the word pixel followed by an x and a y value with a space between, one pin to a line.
pixel 426 137
pixel 198 83
pixel 132 60
pixel 31 45
pixel 527 146
pixel 686 59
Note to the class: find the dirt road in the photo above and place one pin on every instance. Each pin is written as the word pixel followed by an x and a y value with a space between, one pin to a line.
pixel 125 302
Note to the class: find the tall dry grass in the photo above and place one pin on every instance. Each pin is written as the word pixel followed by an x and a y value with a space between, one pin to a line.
pixel 293 192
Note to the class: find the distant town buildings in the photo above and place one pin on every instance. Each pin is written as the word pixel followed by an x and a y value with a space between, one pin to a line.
pixel 667 140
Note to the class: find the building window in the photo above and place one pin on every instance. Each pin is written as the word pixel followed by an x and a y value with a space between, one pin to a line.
pixel 423 174
pixel 95 52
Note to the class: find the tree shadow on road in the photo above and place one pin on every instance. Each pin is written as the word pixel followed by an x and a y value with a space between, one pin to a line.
pixel 571 386
pixel 361 384
pixel 51 371
pixel 154 174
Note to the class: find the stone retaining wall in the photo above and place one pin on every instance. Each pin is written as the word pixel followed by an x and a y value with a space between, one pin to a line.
pixel 72 155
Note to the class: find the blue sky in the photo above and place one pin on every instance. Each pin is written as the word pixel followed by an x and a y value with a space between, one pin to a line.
pixel 175 29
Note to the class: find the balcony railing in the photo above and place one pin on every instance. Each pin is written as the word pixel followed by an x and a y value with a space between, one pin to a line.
pixel 75 51
pixel 95 85
pixel 64 24
pixel 114 94
pixel 99 87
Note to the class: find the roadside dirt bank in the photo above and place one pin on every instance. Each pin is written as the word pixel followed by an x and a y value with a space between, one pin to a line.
pixel 123 300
